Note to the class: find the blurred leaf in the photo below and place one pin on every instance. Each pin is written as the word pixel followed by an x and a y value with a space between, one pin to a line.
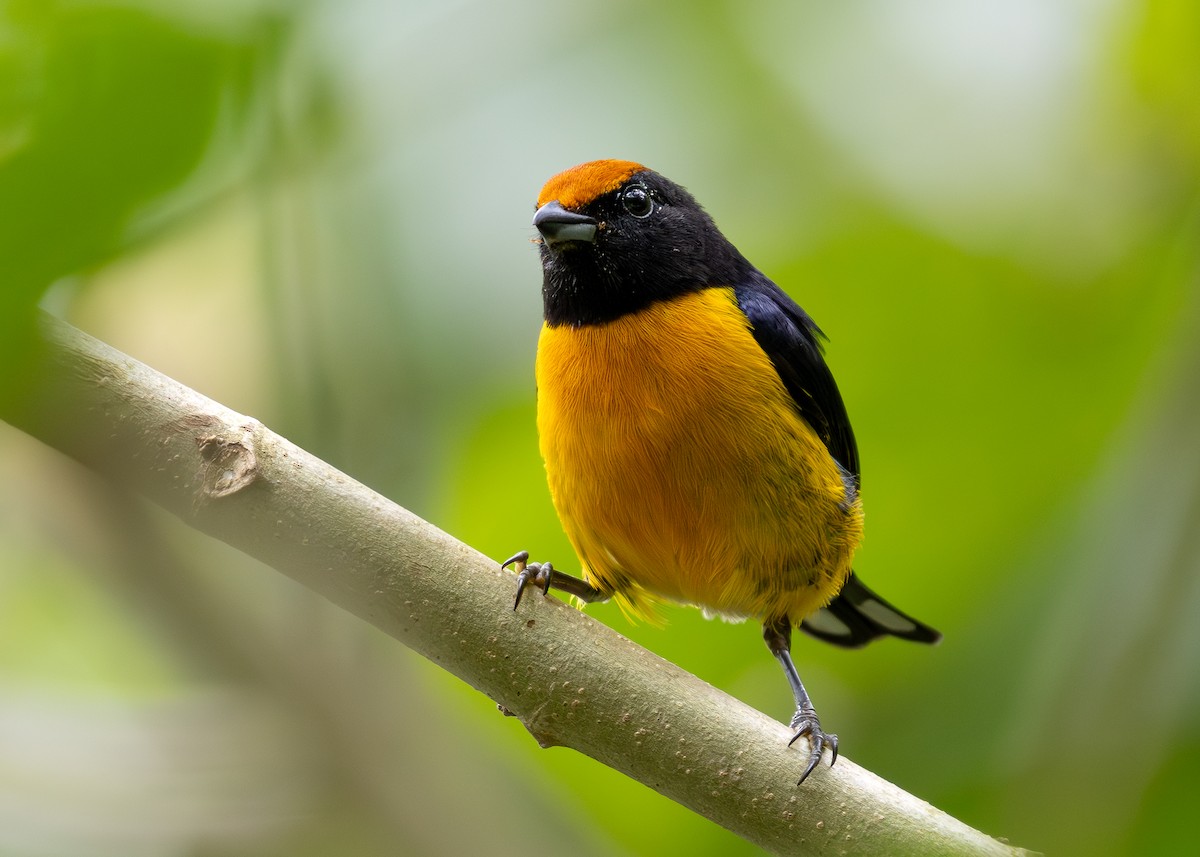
pixel 126 105
pixel 104 110
pixel 1165 55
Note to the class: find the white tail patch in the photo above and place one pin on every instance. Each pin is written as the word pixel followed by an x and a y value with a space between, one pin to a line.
pixel 885 616
pixel 824 622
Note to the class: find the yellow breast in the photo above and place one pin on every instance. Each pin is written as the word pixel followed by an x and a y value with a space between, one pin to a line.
pixel 680 468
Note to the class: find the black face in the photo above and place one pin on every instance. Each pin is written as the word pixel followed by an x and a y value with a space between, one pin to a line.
pixel 652 242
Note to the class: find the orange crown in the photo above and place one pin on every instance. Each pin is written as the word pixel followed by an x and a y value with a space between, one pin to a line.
pixel 580 185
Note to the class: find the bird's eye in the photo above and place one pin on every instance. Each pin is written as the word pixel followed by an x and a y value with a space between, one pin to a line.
pixel 637 201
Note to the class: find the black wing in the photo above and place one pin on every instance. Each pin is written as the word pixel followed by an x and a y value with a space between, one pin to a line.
pixel 792 340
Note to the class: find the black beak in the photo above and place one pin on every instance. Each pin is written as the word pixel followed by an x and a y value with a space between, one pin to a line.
pixel 559 226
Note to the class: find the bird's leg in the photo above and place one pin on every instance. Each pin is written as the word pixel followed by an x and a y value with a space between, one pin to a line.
pixel 778 637
pixel 543 575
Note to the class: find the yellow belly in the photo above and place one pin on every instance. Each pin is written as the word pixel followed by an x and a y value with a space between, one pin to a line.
pixel 680 469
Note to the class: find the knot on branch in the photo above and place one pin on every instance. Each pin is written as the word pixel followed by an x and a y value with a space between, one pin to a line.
pixel 542 729
pixel 229 463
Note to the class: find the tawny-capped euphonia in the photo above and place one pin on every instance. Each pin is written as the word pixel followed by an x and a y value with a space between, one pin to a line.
pixel 696 445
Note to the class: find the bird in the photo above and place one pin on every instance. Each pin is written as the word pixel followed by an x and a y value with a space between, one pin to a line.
pixel 696 446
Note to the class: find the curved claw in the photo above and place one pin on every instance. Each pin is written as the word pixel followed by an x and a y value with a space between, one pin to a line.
pixel 806 723
pixel 538 573
pixel 519 558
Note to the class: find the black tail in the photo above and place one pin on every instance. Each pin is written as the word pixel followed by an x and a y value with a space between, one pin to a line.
pixel 857 616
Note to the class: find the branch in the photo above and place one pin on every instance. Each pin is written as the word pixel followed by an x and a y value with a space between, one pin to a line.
pixel 571 680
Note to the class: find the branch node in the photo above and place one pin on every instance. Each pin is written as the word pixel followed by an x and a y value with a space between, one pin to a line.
pixel 541 728
pixel 229 465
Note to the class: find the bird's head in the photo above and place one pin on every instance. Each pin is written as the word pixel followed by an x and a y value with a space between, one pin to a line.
pixel 616 237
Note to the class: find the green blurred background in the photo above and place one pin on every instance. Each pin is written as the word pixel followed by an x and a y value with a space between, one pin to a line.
pixel 318 214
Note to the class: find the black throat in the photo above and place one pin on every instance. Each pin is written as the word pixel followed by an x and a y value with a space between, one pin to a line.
pixel 631 266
